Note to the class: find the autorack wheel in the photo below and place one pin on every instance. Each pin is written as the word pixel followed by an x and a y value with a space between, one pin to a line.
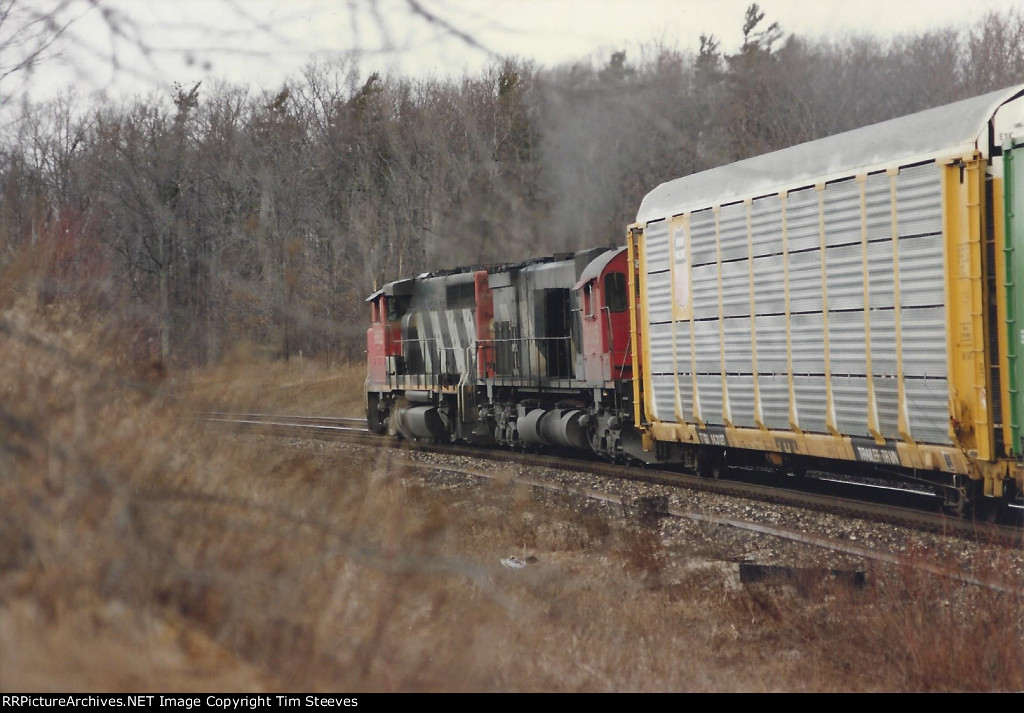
pixel 711 464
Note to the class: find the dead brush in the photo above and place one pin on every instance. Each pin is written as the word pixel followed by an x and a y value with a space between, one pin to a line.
pixel 296 563
pixel 919 631
pixel 944 635
pixel 643 553
pixel 248 564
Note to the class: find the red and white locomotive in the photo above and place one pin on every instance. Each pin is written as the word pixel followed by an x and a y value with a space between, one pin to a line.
pixel 534 353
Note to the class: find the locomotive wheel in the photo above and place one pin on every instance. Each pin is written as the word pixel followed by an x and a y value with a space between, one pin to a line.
pixel 376 421
pixel 992 510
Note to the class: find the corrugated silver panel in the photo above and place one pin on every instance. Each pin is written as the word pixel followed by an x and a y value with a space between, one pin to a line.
pixel 919 200
pixel 656 246
pixel 808 340
pixel 850 396
pixel 810 402
pixel 737 346
pixel 710 387
pixel 846 342
pixel 878 204
pixel 732 227
pixel 771 344
pixel 702 237
pixel 802 220
pixel 661 348
pixel 805 281
pixel 686 399
pixel 845 277
pixel 708 347
pixel 769 285
pixel 928 408
pixel 663 377
pixel 842 213
pixel 887 399
pixel 704 281
pixel 924 342
pixel 659 297
pixel 880 274
pixel 664 392
pixel 736 288
pixel 741 400
pixel 883 342
pixel 922 277
pixel 766 225
pixel 922 295
pixel 774 400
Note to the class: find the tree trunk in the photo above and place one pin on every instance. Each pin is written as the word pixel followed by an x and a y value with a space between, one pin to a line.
pixel 165 312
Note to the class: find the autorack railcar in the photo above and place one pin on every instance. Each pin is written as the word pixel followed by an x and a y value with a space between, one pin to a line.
pixel 848 303
pixel 849 300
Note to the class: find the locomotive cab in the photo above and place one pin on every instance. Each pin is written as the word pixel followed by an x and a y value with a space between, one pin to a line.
pixel 384 357
pixel 388 306
pixel 376 353
pixel 604 318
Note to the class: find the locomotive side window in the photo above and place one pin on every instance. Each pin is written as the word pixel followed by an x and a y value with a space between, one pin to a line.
pixel 588 299
pixel 397 307
pixel 411 345
pixel 460 295
pixel 615 292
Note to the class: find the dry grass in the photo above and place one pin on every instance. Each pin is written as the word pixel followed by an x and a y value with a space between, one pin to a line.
pixel 927 633
pixel 305 387
pixel 140 552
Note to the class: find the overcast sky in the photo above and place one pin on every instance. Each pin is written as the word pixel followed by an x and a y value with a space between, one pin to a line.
pixel 124 46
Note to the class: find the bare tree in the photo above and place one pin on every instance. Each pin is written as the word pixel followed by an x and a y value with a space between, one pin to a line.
pixel 29 33
pixel 232 215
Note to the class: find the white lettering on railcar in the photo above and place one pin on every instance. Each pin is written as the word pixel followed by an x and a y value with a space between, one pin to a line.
pixel 877 455
pixel 713 439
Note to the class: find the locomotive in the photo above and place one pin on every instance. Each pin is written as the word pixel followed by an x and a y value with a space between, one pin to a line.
pixel 534 353
pixel 847 304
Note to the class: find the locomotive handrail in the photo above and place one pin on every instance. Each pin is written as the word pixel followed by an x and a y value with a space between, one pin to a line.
pixel 611 342
pixel 468 378
pixel 625 353
pixel 526 358
pixel 545 357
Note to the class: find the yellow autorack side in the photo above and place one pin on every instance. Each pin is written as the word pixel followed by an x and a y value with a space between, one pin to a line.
pixel 844 299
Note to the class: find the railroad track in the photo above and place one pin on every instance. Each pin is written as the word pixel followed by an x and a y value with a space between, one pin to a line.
pixel 907 508
pixel 335 427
